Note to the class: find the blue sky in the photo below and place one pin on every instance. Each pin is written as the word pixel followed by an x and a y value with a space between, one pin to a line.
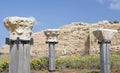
pixel 56 13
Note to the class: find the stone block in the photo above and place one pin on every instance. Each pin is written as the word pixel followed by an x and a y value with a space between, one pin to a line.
pixel 104 35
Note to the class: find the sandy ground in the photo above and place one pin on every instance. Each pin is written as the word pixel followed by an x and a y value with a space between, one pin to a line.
pixel 62 71
pixel 69 71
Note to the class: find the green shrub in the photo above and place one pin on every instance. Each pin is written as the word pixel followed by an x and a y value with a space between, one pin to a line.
pixel 67 62
pixel 85 62
pixel 117 70
pixel 115 61
pixel 39 64
pixel 94 61
pixel 3 65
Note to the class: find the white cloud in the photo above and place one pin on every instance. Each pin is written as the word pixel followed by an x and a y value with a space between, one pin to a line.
pixel 37 23
pixel 100 1
pixel 115 4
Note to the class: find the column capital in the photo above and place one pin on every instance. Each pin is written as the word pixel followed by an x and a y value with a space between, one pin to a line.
pixel 19 27
pixel 104 35
pixel 51 35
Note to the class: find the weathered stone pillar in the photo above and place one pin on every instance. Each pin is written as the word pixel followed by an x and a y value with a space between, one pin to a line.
pixel 20 40
pixel 51 39
pixel 104 36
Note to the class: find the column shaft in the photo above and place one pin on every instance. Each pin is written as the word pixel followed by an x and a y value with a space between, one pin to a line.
pixel 51 56
pixel 104 58
pixel 19 58
pixel 13 59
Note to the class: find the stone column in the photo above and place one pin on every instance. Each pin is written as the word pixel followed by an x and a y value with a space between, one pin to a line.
pixel 20 30
pixel 104 36
pixel 51 40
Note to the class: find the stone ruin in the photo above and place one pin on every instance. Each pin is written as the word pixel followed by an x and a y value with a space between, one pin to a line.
pixel 19 27
pixel 104 35
pixel 19 40
pixel 76 39
pixel 51 35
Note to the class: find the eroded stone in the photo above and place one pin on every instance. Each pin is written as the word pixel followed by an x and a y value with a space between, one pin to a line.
pixel 51 35
pixel 19 27
pixel 104 35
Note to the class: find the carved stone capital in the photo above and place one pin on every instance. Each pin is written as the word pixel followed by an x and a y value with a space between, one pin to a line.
pixel 104 35
pixel 19 27
pixel 51 35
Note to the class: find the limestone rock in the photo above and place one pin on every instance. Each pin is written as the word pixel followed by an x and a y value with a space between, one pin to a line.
pixel 76 39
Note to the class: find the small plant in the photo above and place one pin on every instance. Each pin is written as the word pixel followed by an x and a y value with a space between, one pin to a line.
pixel 91 62
pixel 114 22
pixel 117 70
pixel 39 64
pixel 3 66
pixel 78 62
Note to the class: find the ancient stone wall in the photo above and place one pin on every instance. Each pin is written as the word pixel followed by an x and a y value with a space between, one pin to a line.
pixel 76 39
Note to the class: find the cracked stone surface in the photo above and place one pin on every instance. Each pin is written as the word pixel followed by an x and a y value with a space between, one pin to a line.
pixel 19 27
pixel 75 39
pixel 51 35
pixel 104 35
